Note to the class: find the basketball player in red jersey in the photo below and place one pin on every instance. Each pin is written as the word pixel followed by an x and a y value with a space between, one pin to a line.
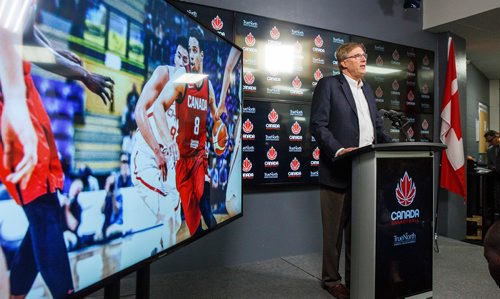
pixel 193 100
pixel 29 164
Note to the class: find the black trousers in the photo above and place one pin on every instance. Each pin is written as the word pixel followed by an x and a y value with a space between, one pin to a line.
pixel 336 219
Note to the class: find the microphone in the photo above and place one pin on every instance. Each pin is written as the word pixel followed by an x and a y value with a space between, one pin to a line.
pixel 391 114
pixel 398 119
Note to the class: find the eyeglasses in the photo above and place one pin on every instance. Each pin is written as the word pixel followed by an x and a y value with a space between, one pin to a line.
pixel 358 56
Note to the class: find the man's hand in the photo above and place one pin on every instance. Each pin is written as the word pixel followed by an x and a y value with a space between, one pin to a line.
pixel 161 162
pixel 16 124
pixel 100 85
pixel 347 150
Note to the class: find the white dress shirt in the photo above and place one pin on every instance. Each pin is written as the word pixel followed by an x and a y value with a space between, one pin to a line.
pixel 366 134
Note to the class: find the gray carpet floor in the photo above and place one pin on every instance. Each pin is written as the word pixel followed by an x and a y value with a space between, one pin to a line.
pixel 460 271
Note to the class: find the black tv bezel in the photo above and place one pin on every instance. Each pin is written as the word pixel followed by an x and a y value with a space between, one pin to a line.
pixel 113 278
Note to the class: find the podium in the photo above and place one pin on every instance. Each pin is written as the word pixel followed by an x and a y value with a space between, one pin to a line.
pixel 392 219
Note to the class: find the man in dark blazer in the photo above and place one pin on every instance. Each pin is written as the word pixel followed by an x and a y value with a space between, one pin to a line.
pixel 343 118
pixel 492 137
pixel 493 154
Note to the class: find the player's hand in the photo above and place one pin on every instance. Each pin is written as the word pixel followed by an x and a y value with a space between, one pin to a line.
pixel 17 125
pixel 70 56
pixel 173 151
pixel 220 111
pixel 161 162
pixel 100 85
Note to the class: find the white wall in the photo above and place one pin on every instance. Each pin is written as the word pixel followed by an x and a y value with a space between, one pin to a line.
pixel 494 105
pixel 439 12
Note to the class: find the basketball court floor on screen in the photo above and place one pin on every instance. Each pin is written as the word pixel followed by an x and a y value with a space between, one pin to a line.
pixel 141 234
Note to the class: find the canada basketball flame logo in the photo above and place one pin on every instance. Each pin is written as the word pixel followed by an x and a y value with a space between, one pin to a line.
pixel 295 164
pixel 425 124
pixel 298 47
pixel 316 153
pixel 275 33
pixel 273 116
pixel 395 55
pixel 296 83
pixel 217 23
pixel 395 85
pixel 249 78
pixel 379 92
pixel 406 191
pixel 247 165
pixel 410 96
pixel 411 67
pixel 379 61
pixel 318 41
pixel 250 40
pixel 425 89
pixel 410 132
pixel 296 128
pixel 272 153
pixel 318 75
pixel 247 126
pixel 425 61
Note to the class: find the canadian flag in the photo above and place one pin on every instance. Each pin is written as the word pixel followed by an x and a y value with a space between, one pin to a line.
pixel 452 159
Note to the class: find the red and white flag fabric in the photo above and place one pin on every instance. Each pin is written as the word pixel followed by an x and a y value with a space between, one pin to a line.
pixel 452 159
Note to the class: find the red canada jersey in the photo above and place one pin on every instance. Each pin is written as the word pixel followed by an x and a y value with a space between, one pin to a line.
pixel 191 112
pixel 48 175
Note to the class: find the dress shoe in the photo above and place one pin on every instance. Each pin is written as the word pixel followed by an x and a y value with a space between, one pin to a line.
pixel 338 291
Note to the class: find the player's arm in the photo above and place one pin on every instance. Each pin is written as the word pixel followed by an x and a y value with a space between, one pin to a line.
pixel 15 122
pixel 68 65
pixel 166 98
pixel 148 95
pixel 232 60
pixel 65 53
pixel 168 95
pixel 211 102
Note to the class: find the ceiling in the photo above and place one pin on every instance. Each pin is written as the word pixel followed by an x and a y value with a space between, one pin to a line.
pixel 482 35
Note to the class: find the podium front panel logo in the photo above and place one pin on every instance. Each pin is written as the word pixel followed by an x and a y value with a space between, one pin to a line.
pixel 405 192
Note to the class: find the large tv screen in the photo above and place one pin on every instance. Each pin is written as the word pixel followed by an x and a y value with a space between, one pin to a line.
pixel 130 145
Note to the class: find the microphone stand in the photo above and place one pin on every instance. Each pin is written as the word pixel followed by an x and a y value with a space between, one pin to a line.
pixel 402 128
pixel 399 121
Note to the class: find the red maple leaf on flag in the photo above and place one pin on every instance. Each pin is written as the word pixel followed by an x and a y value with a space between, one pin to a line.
pixel 452 158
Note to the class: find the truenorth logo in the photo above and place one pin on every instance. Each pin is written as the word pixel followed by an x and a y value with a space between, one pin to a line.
pixel 250 23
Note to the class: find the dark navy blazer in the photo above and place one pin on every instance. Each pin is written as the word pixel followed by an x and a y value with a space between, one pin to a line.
pixel 334 125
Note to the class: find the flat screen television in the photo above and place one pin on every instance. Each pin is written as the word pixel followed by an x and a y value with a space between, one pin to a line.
pixel 126 181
